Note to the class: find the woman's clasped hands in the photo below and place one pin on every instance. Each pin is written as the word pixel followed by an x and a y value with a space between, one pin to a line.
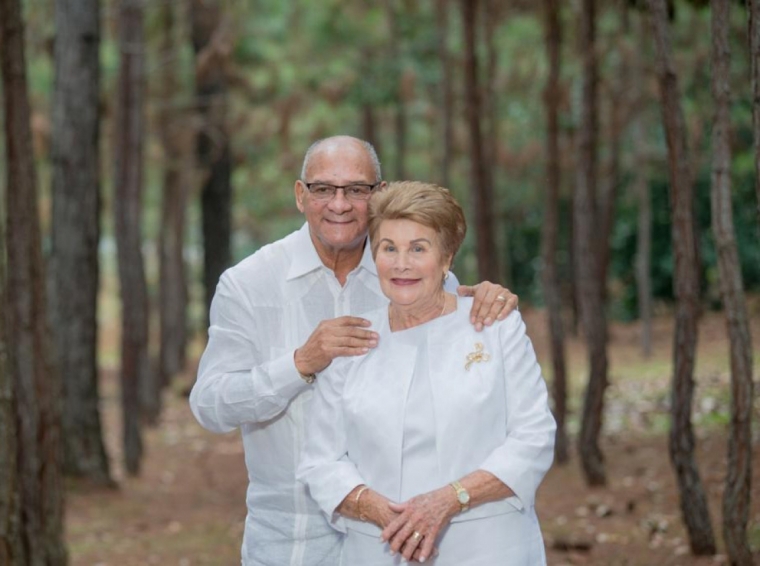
pixel 418 522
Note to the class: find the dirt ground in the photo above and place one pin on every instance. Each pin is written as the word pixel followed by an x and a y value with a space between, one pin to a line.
pixel 188 504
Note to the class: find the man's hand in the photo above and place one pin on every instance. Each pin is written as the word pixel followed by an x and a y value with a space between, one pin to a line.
pixel 491 302
pixel 342 336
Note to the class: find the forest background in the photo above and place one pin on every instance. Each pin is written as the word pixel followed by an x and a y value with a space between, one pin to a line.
pixel 199 113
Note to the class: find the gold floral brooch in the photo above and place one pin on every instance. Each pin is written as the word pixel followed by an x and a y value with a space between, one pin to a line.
pixel 477 356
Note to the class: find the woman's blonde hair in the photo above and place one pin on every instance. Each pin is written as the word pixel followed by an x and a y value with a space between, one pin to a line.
pixel 425 203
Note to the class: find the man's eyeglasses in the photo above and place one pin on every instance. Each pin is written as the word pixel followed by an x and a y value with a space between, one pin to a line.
pixel 354 191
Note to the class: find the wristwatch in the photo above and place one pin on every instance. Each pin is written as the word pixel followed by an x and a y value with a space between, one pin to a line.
pixel 463 497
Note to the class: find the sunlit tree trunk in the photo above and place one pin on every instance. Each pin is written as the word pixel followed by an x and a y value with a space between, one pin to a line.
pixel 481 191
pixel 694 508
pixel 446 101
pixel 76 233
pixel 737 495
pixel 588 283
pixel 754 54
pixel 173 124
pixel 212 48
pixel 549 236
pixel 128 127
pixel 37 389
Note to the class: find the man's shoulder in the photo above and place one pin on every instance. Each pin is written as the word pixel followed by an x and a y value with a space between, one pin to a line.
pixel 266 268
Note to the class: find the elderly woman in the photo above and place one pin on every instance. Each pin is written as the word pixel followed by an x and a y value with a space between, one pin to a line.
pixel 439 437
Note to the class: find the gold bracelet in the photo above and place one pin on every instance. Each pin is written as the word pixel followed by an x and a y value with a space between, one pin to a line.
pixel 362 517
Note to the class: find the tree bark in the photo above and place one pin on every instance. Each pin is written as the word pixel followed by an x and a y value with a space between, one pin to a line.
pixel 11 549
pixel 694 508
pixel 35 384
pixel 446 101
pixel 135 365
pixel 76 233
pixel 737 495
pixel 643 262
pixel 399 111
pixel 173 122
pixel 643 259
pixel 588 283
pixel 482 194
pixel 754 55
pixel 549 236
pixel 212 48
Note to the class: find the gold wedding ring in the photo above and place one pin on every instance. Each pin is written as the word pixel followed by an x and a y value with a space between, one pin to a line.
pixel 501 298
pixel 416 536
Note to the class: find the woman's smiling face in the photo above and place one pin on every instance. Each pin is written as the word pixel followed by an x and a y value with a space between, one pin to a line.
pixel 410 263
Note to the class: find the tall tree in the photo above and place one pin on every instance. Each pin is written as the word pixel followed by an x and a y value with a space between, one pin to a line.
pixel 482 194
pixel 212 49
pixel 135 364
pixel 643 261
pixel 173 125
pixel 754 55
pixel 400 119
pixel 446 102
pixel 76 233
pixel 11 548
pixel 694 508
pixel 549 235
pixel 35 384
pixel 589 285
pixel 737 495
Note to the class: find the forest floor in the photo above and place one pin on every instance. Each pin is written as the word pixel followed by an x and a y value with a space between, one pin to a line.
pixel 187 506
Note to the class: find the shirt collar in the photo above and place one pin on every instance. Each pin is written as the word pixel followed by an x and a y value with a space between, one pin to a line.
pixel 306 259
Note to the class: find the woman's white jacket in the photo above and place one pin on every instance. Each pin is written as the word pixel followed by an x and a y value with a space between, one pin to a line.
pixel 491 414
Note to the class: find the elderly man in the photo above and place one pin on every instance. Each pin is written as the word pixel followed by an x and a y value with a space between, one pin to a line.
pixel 281 316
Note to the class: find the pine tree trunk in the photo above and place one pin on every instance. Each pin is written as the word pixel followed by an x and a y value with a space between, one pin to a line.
pixel 11 549
pixel 588 282
pixel 643 262
pixel 549 236
pixel 737 495
pixel 481 190
pixel 399 110
pixel 754 55
pixel 214 154
pixel 35 384
pixel 446 101
pixel 128 127
pixel 174 130
pixel 694 508
pixel 76 233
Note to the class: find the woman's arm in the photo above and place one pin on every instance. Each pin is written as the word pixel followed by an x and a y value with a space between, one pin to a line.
pixel 324 466
pixel 365 504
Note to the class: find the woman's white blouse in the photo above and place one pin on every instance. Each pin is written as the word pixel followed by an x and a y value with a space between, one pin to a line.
pixel 491 414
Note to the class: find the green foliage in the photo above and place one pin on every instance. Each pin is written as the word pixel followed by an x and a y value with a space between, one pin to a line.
pixel 311 68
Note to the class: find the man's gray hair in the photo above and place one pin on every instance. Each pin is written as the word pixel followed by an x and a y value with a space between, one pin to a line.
pixel 365 144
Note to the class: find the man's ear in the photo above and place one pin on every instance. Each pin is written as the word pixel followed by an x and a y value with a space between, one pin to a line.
pixel 300 191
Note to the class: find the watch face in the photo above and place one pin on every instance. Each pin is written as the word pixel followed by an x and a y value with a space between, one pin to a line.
pixel 463 497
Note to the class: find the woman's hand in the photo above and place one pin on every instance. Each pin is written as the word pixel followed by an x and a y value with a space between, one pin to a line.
pixel 417 524
pixel 491 302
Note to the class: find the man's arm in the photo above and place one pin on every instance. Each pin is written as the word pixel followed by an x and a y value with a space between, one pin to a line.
pixel 241 378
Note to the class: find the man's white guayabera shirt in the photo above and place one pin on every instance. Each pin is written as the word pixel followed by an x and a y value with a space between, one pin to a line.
pixel 264 308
